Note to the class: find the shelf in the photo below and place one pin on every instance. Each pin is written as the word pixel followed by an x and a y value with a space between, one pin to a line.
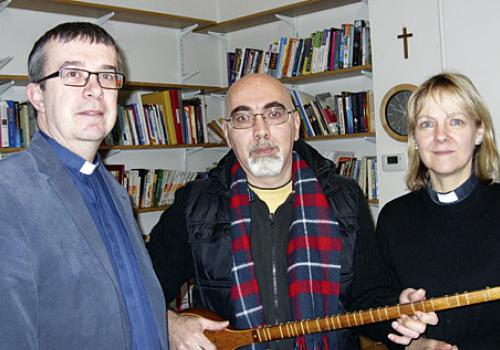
pixel 149 147
pixel 122 14
pixel 313 77
pixel 372 201
pixel 11 149
pixel 151 209
pixel 268 16
pixel 340 137
pixel 22 80
pixel 328 75
pixel 137 85
pixel 19 80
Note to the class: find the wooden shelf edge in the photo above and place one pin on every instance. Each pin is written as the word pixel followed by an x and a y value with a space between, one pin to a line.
pixel 313 77
pixel 11 149
pixel 137 85
pixel 121 14
pixel 340 137
pixel 150 209
pixel 22 80
pixel 292 10
pixel 327 75
pixel 150 147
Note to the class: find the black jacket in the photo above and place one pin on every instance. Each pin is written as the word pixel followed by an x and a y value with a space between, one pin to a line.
pixel 192 238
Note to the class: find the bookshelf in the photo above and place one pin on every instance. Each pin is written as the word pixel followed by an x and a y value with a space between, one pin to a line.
pixel 257 30
pixel 240 30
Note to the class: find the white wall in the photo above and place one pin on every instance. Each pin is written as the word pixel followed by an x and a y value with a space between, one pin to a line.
pixel 471 41
pixel 387 18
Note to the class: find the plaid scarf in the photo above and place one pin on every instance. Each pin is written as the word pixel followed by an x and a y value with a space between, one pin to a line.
pixel 314 249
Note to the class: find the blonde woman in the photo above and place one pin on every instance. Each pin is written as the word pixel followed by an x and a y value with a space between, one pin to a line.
pixel 444 236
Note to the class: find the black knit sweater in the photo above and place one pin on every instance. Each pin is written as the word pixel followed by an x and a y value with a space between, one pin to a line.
pixel 444 249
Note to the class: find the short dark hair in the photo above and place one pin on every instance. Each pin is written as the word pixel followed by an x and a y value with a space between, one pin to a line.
pixel 64 33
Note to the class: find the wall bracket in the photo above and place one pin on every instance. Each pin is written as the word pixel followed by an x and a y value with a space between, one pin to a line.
pixel 103 19
pixel 6 86
pixel 291 21
pixel 183 75
pixel 190 94
pixel 221 36
pixel 367 73
pixel 4 61
pixel 4 4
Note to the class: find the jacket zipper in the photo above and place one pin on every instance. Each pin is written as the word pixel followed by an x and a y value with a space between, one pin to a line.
pixel 274 270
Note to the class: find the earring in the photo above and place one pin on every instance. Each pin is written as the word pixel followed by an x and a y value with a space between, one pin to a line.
pixel 479 139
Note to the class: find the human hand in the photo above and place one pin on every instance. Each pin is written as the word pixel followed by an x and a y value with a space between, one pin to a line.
pixel 410 328
pixel 430 344
pixel 186 332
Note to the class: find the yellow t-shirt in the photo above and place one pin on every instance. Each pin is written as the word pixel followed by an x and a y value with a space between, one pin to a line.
pixel 273 197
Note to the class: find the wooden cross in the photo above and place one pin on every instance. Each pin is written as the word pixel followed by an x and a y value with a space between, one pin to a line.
pixel 405 37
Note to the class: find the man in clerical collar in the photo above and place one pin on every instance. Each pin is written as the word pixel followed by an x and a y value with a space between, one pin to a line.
pixel 75 273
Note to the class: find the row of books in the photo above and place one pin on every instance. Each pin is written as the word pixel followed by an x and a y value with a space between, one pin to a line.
pixel 325 50
pixel 18 123
pixel 363 170
pixel 151 187
pixel 327 114
pixel 160 118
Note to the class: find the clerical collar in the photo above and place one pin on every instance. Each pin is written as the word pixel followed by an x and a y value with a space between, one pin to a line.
pixel 70 159
pixel 457 195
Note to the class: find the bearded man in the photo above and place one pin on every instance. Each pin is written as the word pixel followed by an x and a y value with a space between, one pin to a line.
pixel 269 237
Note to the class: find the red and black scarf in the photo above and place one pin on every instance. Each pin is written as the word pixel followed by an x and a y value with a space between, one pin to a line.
pixel 313 255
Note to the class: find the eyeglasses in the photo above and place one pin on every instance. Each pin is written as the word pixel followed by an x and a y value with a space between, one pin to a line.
pixel 80 77
pixel 272 116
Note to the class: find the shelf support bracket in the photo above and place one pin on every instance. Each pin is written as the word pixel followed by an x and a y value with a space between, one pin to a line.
pixel 5 86
pixel 367 73
pixel 190 94
pixel 4 61
pixel 222 37
pixel 193 150
pixel 4 4
pixel 103 19
pixel 183 76
pixel 218 96
pixel 370 139
pixel 113 152
pixel 291 21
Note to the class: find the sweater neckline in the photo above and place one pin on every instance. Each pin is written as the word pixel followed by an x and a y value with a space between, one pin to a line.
pixel 457 195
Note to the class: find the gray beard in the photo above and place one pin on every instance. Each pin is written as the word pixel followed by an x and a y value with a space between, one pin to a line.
pixel 266 166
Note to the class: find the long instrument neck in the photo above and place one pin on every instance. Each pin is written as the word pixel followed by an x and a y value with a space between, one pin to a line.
pixel 359 318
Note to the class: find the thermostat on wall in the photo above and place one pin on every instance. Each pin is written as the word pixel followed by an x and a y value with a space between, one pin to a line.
pixel 394 162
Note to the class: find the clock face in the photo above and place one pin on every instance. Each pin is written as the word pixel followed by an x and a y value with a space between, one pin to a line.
pixel 394 111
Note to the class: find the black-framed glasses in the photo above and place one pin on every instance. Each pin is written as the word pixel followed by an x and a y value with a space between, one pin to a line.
pixel 272 116
pixel 80 77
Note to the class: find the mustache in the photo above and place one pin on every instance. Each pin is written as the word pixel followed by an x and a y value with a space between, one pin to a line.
pixel 263 144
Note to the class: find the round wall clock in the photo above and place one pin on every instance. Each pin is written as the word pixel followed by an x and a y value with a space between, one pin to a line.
pixel 394 112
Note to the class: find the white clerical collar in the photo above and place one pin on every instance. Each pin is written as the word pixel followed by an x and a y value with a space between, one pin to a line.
pixel 455 196
pixel 449 197
pixel 88 168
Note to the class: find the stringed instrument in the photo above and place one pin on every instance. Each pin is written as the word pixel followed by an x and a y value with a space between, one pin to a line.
pixel 231 339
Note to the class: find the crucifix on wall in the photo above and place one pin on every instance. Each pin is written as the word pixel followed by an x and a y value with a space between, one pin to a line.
pixel 405 37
